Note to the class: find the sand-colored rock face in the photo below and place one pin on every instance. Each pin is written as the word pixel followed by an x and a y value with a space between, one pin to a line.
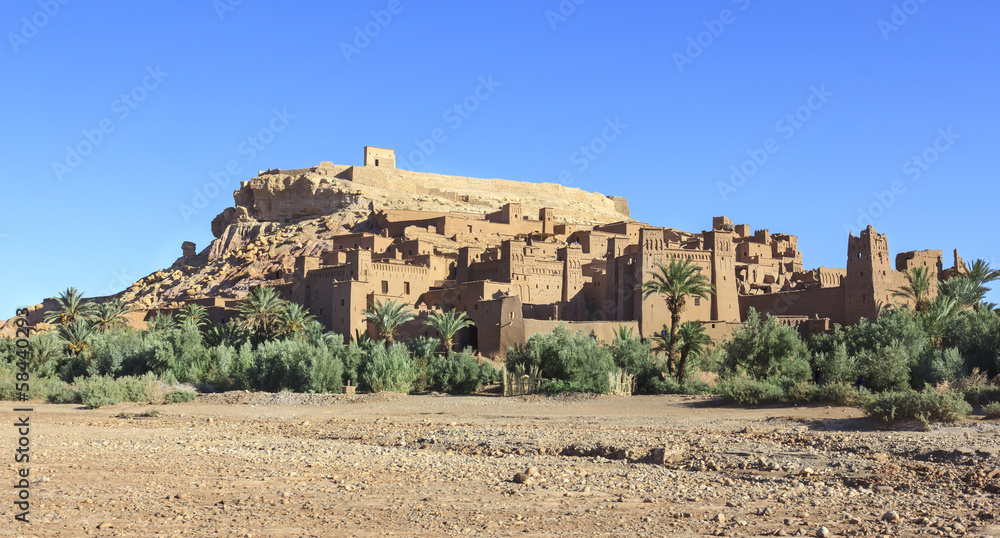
pixel 353 192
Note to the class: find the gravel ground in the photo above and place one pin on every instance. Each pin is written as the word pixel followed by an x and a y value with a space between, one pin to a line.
pixel 258 464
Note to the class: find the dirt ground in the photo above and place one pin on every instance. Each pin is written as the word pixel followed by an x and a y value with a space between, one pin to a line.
pixel 242 464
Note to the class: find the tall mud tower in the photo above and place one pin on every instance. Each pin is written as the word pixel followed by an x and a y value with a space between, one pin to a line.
pixel 868 278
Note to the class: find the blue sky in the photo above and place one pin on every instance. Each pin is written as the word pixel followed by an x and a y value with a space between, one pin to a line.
pixel 808 118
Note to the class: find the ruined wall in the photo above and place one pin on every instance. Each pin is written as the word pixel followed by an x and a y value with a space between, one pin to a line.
pixel 822 302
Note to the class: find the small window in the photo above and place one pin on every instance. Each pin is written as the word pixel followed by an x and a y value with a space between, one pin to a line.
pixel 321 311
pixel 697 301
pixel 406 288
pixel 475 306
pixel 341 302
pixel 511 315
pixel 385 286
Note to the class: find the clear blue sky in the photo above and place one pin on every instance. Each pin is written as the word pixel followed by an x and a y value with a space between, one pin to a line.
pixel 837 102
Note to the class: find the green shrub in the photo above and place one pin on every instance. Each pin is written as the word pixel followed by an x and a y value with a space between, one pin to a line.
pixel 179 396
pixel 671 386
pixel 886 368
pixel 352 358
pixel 752 392
pixel 977 336
pixel 765 349
pixel 836 366
pixel 926 406
pixel 99 391
pixel 460 373
pixel 838 393
pixel 981 395
pixel 389 369
pixel 577 359
pixel 555 386
pixel 124 352
pixel 992 410
pixel 294 364
pixel 422 350
pixel 937 365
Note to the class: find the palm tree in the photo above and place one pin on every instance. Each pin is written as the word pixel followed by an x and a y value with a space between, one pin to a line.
pixel 261 311
pixel 230 334
pixel 197 313
pixel 110 315
pixel 388 317
pixel 676 282
pixel 965 291
pixel 917 288
pixel 448 323
pixel 939 317
pixel 294 320
pixel 76 335
pixel 981 274
pixel 623 333
pixel 72 307
pixel 693 339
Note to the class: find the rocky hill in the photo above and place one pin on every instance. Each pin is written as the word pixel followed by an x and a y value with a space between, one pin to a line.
pixel 282 214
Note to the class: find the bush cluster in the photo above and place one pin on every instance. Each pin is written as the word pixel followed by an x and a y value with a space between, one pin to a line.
pixel 579 361
pixel 924 406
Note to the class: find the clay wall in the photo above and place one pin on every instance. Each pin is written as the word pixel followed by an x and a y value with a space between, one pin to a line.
pixel 822 302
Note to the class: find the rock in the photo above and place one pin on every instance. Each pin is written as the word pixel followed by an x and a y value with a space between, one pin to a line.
pixel 891 516
pixel 520 478
pixel 719 518
pixel 662 456
pixel 823 532
pixel 532 471
pixel 884 490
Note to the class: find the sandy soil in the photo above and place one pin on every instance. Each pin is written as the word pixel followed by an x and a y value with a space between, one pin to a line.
pixel 240 464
